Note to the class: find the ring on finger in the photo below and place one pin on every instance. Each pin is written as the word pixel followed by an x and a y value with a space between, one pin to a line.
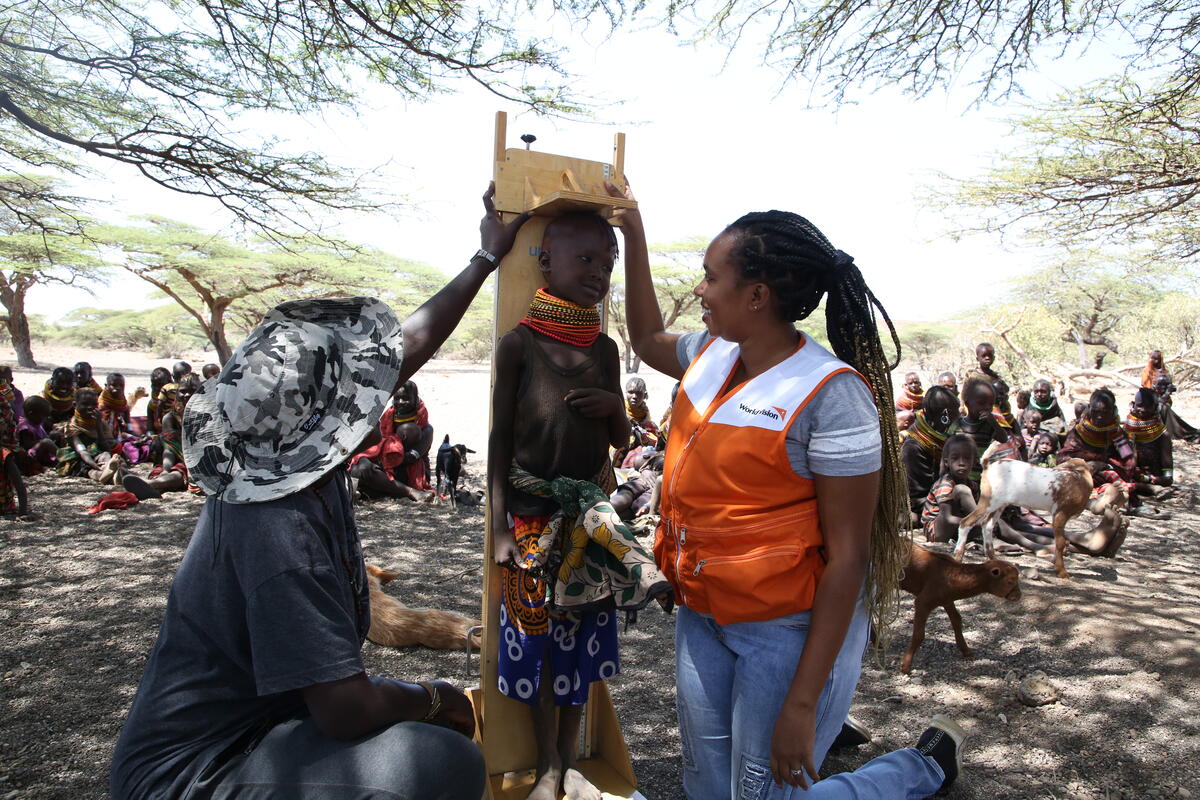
pixel 797 772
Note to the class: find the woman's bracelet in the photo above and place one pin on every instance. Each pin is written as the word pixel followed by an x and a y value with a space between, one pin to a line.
pixel 435 701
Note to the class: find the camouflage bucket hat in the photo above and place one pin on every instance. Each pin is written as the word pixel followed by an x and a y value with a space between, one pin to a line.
pixel 295 399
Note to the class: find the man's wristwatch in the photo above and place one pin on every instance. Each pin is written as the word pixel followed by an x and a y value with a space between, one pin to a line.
pixel 481 253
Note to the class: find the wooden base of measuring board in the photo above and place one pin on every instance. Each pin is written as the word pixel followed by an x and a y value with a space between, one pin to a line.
pixel 604 759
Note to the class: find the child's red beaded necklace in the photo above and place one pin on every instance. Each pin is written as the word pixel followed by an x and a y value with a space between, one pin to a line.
pixel 563 320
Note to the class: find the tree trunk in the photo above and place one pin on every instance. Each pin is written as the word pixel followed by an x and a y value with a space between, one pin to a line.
pixel 216 334
pixel 18 326
pixel 633 361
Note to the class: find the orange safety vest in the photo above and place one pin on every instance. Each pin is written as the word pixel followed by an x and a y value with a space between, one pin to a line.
pixel 739 536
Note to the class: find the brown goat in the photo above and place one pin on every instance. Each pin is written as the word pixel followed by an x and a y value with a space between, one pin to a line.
pixel 936 580
pixel 394 624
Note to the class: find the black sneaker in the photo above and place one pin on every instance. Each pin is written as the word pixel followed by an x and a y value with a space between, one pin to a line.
pixel 943 741
pixel 852 734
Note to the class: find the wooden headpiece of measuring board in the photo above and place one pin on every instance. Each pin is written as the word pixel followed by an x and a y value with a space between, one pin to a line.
pixel 548 185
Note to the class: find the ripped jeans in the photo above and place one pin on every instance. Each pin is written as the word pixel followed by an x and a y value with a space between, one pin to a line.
pixel 731 683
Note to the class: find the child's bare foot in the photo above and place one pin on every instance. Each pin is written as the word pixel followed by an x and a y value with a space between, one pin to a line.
pixel 577 787
pixel 546 787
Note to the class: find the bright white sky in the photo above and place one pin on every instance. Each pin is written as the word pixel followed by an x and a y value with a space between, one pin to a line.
pixel 704 145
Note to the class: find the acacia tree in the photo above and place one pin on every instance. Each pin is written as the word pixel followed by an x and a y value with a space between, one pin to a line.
pixel 155 85
pixel 675 270
pixel 1105 163
pixel 924 44
pixel 217 280
pixel 37 248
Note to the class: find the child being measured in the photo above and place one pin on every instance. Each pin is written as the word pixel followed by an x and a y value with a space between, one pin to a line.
pixel 570 563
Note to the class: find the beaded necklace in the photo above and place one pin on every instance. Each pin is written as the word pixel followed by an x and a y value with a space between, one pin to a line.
pixel 403 419
pixel 930 440
pixel 113 401
pixel 563 320
pixel 1095 436
pixel 58 402
pixel 637 413
pixel 911 400
pixel 1144 430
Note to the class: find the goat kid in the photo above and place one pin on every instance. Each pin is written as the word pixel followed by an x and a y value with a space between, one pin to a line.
pixel 450 458
pixel 1063 492
pixel 936 580
pixel 394 624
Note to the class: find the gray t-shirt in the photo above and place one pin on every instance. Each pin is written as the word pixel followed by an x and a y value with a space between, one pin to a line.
pixel 836 434
pixel 269 598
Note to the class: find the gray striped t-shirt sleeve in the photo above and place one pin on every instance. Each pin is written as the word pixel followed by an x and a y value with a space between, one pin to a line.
pixel 836 434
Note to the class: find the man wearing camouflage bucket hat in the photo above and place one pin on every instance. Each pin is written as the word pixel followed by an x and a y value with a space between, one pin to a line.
pixel 255 686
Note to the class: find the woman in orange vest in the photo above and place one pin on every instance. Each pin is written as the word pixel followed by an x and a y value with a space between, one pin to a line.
pixel 782 498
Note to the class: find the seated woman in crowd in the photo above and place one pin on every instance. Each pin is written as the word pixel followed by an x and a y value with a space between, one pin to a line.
pixel 397 466
pixel 1100 440
pixel 1155 459
pixel 921 451
pixel 1042 400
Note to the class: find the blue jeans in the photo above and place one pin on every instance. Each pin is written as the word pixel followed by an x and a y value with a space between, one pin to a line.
pixel 294 760
pixel 731 684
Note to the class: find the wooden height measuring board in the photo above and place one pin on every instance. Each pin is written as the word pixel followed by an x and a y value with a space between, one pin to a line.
pixel 547 185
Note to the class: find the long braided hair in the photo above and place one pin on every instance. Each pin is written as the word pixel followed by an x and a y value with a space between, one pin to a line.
pixel 795 260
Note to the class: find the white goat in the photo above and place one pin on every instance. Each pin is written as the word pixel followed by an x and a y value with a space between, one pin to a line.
pixel 1063 491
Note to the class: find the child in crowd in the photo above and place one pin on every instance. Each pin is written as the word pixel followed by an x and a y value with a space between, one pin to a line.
pixel 398 465
pixel 954 494
pixel 172 474
pixel 914 393
pixel 82 374
pixel 60 392
pixel 159 378
pixel 639 495
pixel 180 369
pixel 948 380
pixel 209 370
pixel 114 405
pixel 921 451
pixel 14 499
pixel 557 407
pixel 1080 409
pixel 33 436
pixel 90 444
pixel 1031 427
pixel 1022 401
pixel 985 356
pixel 1155 457
pixel 986 427
pixel 1002 407
pixel 1042 450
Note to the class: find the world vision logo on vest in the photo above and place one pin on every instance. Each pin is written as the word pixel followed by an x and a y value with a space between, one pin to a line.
pixel 772 412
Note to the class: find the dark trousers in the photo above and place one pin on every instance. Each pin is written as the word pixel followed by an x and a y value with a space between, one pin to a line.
pixel 407 761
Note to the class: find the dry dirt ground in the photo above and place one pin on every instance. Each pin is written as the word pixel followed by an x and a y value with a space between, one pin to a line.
pixel 81 598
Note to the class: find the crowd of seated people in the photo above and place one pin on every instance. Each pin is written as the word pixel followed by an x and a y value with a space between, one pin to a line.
pixel 949 437
pixel 74 427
